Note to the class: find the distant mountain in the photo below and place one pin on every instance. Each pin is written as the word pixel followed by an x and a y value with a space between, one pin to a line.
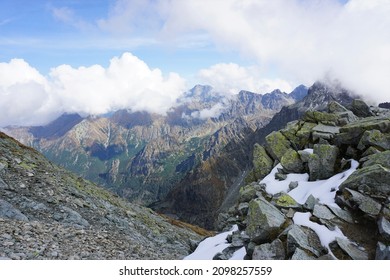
pixel 143 156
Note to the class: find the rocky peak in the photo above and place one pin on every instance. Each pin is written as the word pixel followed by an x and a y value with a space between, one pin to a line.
pixel 299 92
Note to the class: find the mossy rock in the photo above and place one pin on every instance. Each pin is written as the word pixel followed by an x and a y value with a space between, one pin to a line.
pixel 262 162
pixel 382 158
pixel 284 200
pixel 322 163
pixel 375 138
pixel 277 145
pixel 320 117
pixel 247 193
pixel 291 162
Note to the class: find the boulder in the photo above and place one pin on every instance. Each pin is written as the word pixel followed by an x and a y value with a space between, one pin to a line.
pixel 364 203
pixel 375 179
pixel 264 221
pixel 277 145
pixel 351 249
pixel 382 158
pixel 7 210
pixel 305 156
pixel 322 162
pixel 300 254
pixel 291 162
pixel 322 212
pixel 384 228
pixel 376 139
pixel 382 252
pixel 247 193
pixel 269 251
pixel 310 203
pixel 326 132
pixel 360 108
pixel 304 134
pixel 320 117
pixel 335 107
pixel 342 214
pixel 262 162
pixel 303 238
pixel 284 200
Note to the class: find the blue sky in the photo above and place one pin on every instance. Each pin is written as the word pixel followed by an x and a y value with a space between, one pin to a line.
pixel 94 56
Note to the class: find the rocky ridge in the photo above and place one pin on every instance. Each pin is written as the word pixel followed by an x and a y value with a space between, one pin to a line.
pixel 47 212
pixel 347 146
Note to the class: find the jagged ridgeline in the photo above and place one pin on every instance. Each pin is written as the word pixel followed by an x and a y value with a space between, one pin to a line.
pixel 320 190
pixel 47 212
pixel 200 145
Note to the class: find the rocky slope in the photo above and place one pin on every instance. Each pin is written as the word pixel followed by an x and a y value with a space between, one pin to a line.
pixel 322 189
pixel 47 212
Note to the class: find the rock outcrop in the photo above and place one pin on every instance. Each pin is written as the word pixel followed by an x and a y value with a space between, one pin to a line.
pixel 341 208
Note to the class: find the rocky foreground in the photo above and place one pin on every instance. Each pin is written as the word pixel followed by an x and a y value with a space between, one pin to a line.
pixel 352 224
pixel 49 213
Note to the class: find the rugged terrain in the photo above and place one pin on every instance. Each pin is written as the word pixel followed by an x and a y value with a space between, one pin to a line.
pixel 321 189
pixel 201 144
pixel 47 212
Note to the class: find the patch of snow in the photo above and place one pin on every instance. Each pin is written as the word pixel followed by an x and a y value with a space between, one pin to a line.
pixel 326 235
pixel 239 254
pixel 209 247
pixel 324 190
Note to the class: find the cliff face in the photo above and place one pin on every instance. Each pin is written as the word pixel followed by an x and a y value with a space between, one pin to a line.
pixel 47 212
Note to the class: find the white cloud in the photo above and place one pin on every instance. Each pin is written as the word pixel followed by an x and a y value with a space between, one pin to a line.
pixel 212 112
pixel 231 78
pixel 27 97
pixel 302 40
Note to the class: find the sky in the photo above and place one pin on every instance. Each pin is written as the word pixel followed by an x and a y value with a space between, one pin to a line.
pixel 95 56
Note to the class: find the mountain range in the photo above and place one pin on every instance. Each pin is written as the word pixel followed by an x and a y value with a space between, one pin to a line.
pixel 144 157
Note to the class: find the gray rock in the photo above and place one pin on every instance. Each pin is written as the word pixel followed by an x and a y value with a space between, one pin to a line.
pixel 310 203
pixel 74 218
pixel 335 107
pixel 292 185
pixel 382 252
pixel 305 155
pixel 10 212
pixel 262 162
pixel 299 254
pixel 382 158
pixel 304 238
pixel 247 193
pixel 322 212
pixel 376 139
pixel 291 161
pixel 280 176
pixel 364 203
pixel 375 178
pixel 384 228
pixel 322 162
pixel 351 249
pixel 361 109
pixel 269 251
pixel 327 129
pixel 264 220
pixel 370 151
pixel 342 214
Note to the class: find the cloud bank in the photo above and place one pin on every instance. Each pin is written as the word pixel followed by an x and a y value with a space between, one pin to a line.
pixel 28 98
pixel 303 40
